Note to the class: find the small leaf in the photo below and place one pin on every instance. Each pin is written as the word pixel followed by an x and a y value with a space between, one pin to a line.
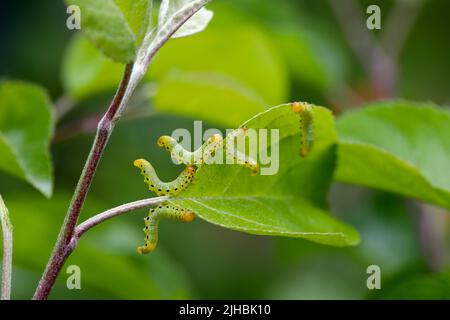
pixel 105 25
pixel 26 127
pixel 197 23
pixel 290 203
pixel 397 146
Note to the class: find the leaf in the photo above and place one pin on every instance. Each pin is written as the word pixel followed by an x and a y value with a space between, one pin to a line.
pixel 290 203
pixel 309 46
pixel 208 96
pixel 138 15
pixel 397 146
pixel 86 71
pixel 197 23
pixel 26 127
pixel 106 26
pixel 416 287
pixel 245 65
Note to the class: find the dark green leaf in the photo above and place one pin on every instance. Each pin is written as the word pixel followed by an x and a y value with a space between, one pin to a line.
pixel 245 66
pixel 397 146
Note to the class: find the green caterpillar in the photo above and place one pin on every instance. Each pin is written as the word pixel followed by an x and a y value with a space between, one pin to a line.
pixel 207 150
pixel 164 188
pixel 305 111
pixel 198 157
pixel 240 158
pixel 163 211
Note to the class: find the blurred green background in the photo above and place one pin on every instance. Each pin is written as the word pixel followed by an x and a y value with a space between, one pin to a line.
pixel 254 54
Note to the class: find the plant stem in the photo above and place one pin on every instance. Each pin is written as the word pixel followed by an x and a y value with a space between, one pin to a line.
pixel 133 74
pixel 104 130
pixel 7 230
pixel 111 213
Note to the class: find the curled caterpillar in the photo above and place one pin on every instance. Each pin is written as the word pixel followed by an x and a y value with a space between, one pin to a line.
pixel 240 158
pixel 163 211
pixel 305 111
pixel 198 157
pixel 164 188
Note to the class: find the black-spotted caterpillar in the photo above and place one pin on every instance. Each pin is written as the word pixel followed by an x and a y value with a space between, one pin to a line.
pixel 152 221
pixel 305 111
pixel 239 157
pixel 164 188
pixel 198 157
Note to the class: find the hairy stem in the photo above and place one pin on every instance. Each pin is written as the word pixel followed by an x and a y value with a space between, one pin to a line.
pixel 104 130
pixel 133 74
pixel 7 230
pixel 111 213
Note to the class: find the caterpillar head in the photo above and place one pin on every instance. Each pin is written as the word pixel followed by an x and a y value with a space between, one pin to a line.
pixel 139 163
pixel 255 170
pixel 188 216
pixel 164 142
pixel 299 107
pixel 190 170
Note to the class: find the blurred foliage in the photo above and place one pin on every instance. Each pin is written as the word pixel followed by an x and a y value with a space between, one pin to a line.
pixel 254 54
pixel 26 127
pixel 406 152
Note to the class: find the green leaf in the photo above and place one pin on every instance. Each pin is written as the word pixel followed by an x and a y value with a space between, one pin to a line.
pixel 213 97
pixel 290 203
pixel 106 26
pixel 26 127
pixel 245 65
pixel 138 15
pixel 416 287
pixel 309 46
pixel 397 146
pixel 197 23
pixel 86 71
